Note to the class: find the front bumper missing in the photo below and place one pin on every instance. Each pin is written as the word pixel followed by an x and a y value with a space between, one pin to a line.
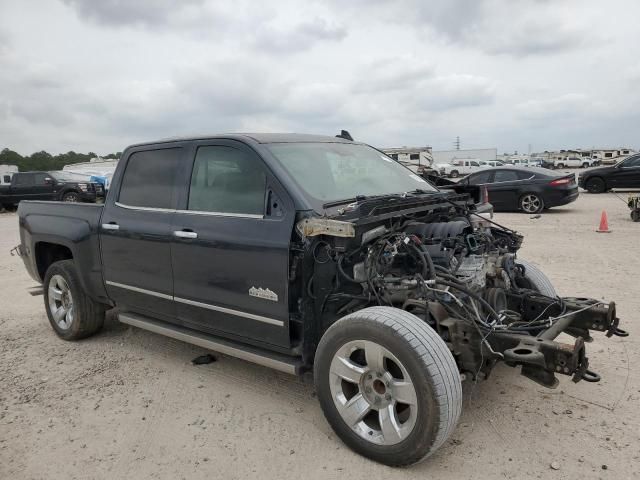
pixel 540 356
pixel 535 349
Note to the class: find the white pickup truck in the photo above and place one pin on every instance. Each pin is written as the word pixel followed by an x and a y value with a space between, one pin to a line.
pixel 461 167
pixel 575 162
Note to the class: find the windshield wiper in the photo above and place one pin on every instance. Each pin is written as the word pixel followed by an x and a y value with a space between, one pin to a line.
pixel 359 199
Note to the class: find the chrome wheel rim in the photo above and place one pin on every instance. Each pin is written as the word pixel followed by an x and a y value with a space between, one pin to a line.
pixel 531 203
pixel 61 302
pixel 373 392
pixel 71 197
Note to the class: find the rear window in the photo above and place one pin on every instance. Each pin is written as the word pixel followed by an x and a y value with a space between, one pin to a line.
pixel 149 179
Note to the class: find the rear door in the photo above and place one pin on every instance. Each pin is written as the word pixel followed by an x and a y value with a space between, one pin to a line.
pixel 230 251
pixel 22 187
pixel 136 231
pixel 503 191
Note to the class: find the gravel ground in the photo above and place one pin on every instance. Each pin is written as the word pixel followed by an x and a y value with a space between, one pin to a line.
pixel 128 403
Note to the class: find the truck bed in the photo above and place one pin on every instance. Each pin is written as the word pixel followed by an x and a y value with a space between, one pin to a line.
pixel 74 226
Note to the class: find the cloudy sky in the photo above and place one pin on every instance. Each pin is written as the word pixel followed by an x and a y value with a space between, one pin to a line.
pixel 97 75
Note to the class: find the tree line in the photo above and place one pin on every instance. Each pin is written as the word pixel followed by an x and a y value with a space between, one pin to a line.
pixel 47 162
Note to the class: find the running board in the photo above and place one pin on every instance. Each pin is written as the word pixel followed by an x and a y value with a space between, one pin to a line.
pixel 276 361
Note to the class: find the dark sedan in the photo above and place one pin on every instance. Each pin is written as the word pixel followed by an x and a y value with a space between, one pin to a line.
pixel 526 189
pixel 624 174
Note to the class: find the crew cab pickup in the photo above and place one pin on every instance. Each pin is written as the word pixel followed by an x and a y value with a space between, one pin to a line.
pixel 48 186
pixel 317 256
pixel 461 167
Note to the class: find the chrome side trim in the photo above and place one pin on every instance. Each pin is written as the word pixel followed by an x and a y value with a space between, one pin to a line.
pixel 189 212
pixel 220 214
pixel 230 311
pixel 145 209
pixel 139 290
pixel 186 301
pixel 203 342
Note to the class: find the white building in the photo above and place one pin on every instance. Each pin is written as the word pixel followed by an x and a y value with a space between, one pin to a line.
pixel 6 172
pixel 447 156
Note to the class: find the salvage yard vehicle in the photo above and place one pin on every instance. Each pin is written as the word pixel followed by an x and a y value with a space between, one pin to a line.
pixel 574 162
pixel 461 167
pixel 320 257
pixel 624 174
pixel 48 186
pixel 529 190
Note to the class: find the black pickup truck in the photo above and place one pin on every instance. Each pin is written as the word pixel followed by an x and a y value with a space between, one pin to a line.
pixel 60 186
pixel 320 257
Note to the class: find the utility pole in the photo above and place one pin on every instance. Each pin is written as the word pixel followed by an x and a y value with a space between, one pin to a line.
pixel 457 143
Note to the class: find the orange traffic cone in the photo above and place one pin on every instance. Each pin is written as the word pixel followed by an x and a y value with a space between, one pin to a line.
pixel 604 223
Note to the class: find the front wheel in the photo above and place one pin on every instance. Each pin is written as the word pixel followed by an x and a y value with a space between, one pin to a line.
pixel 531 203
pixel 72 313
pixel 454 174
pixel 585 165
pixel 388 385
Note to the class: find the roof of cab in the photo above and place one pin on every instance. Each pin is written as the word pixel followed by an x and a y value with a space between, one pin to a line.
pixel 256 137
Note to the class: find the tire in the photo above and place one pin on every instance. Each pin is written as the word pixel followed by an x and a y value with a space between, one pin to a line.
pixel 561 165
pixel 538 280
pixel 635 215
pixel 411 354
pixel 82 317
pixel 71 197
pixel 595 185
pixel 585 165
pixel 454 174
pixel 531 203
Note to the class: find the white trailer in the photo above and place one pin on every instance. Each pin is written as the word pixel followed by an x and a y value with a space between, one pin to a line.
pixel 6 172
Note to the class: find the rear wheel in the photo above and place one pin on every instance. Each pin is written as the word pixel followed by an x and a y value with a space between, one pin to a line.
pixel 388 385
pixel 595 185
pixel 531 203
pixel 454 174
pixel 561 165
pixel 71 197
pixel 585 165
pixel 72 313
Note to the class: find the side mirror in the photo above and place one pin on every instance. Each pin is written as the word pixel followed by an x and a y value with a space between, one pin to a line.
pixel 48 181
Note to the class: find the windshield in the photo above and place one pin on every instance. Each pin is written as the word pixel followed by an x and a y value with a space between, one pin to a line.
pixel 339 171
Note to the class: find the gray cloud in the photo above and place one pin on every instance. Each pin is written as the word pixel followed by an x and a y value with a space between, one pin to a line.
pixel 300 37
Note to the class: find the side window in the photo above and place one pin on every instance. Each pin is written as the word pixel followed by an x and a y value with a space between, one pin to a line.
pixel 149 179
pixel 525 175
pixel 227 180
pixel 39 179
pixel 475 164
pixel 505 176
pixel 24 180
pixel 414 156
pixel 633 162
pixel 480 178
pixel 7 179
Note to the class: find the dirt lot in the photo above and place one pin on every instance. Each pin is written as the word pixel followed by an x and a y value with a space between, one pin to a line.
pixel 128 403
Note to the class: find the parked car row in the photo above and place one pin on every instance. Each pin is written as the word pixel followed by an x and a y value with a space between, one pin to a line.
pixel 60 186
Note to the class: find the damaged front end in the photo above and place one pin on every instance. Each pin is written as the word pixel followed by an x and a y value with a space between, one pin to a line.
pixel 433 256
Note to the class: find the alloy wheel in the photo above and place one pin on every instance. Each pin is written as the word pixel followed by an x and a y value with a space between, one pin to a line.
pixel 373 392
pixel 531 203
pixel 61 302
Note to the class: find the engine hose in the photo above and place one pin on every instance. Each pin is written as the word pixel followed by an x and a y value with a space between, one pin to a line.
pixel 482 301
pixel 343 273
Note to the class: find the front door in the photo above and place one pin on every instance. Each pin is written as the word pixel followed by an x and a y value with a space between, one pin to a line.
pixel 230 250
pixel 135 235
pixel 627 175
pixel 503 192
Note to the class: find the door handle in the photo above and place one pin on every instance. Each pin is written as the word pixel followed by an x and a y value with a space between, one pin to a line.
pixel 185 234
pixel 110 226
